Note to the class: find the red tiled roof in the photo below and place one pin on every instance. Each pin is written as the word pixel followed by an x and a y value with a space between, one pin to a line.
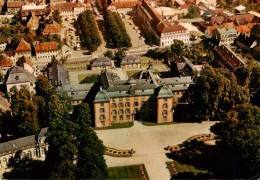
pixel 46 47
pixel 54 28
pixel 15 4
pixel 68 6
pixel 125 4
pixel 5 62
pixel 23 46
pixel 23 60
pixel 176 27
pixel 184 6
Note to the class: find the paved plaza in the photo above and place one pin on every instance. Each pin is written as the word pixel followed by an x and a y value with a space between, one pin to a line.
pixel 149 143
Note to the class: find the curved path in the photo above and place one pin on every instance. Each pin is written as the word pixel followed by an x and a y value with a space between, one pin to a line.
pixel 149 143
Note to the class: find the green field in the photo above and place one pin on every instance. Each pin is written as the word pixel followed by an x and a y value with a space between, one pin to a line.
pixel 117 126
pixel 126 172
pixel 184 168
pixel 88 78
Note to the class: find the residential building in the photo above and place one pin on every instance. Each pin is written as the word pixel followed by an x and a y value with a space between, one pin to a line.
pixel 240 9
pixel 58 75
pixel 164 32
pixel 227 58
pixel 149 97
pixel 46 50
pixel 245 43
pixel 17 76
pixel 101 63
pixel 130 61
pixel 26 64
pixel 13 7
pixel 225 35
pixel 23 49
pixel 123 6
pixel 3 42
pixel 52 29
pixel 32 147
pixel 39 11
pixel 77 92
pixel 70 9
pixel 182 66
pixel 5 64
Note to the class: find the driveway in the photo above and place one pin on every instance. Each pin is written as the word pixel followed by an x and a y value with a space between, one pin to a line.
pixel 149 143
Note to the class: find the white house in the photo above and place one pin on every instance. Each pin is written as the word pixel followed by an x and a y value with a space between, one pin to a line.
pixel 70 9
pixel 46 50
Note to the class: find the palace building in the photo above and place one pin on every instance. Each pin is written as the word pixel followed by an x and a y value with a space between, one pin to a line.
pixel 123 100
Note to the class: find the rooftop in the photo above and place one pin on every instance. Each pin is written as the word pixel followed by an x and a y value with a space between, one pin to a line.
pixel 23 46
pixel 46 47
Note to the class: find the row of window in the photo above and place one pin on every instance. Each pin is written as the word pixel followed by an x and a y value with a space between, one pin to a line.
pixel 121 111
pixel 128 98
pixel 121 118
pixel 127 104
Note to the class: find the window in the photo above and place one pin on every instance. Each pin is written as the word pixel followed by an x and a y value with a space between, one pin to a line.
pixel 136 104
pixel 121 111
pixel 120 105
pixel 164 118
pixel 102 104
pixel 127 98
pixel 164 113
pixel 113 100
pixel 165 105
pixel 101 110
pixel 113 112
pixel 120 99
pixel 127 111
pixel 127 104
pixel 114 105
pixel 102 117
pixel 121 118
pixel 114 118
pixel 128 117
pixel 143 98
pixel 165 99
pixel 136 98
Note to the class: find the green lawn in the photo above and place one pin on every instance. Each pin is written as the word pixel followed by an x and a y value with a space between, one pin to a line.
pixel 184 168
pixel 117 126
pixel 126 172
pixel 135 74
pixel 145 123
pixel 88 78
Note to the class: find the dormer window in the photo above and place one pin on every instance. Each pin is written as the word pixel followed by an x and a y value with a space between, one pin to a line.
pixel 16 77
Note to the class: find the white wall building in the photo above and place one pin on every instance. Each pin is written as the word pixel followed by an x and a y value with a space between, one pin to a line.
pixel 46 50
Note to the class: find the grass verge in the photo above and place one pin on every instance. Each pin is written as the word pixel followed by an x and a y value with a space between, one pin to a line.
pixel 182 168
pixel 117 126
pixel 145 123
pixel 126 172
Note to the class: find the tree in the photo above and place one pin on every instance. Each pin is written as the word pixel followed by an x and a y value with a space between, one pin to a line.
pixel 193 12
pixel 24 111
pixel 81 114
pixel 216 92
pixel 239 134
pixel 54 62
pixel 109 54
pixel 177 48
pixel 57 17
pixel 42 86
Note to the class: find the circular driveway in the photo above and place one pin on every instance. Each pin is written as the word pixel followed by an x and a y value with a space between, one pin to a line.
pixel 149 143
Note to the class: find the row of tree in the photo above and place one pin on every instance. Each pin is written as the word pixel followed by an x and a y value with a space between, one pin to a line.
pixel 89 34
pixel 116 29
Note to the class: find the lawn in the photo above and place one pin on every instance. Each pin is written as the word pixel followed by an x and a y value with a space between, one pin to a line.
pixel 88 78
pixel 126 172
pixel 135 74
pixel 184 168
pixel 117 126
pixel 145 123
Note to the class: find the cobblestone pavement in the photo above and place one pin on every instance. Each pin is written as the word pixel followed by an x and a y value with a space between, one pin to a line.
pixel 149 143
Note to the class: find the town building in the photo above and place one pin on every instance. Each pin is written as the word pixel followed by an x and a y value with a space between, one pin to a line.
pixel 17 76
pixel 182 66
pixel 149 97
pixel 3 42
pixel 225 35
pixel 245 43
pixel 102 63
pixel 70 10
pixel 13 7
pixel 164 32
pixel 58 75
pixel 130 61
pixel 227 58
pixel 32 147
pixel 23 49
pixel 5 64
pixel 26 64
pixel 77 92
pixel 39 11
pixel 32 21
pixel 240 9
pixel 46 50
pixel 53 28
